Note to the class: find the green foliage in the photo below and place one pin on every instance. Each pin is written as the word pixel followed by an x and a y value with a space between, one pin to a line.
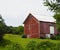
pixel 4 42
pixel 57 46
pixel 53 6
pixel 45 45
pixel 31 45
pixel 16 39
pixel 9 29
pixel 20 30
pixel 24 36
pixel 57 37
pixel 57 17
pixel 16 30
pixel 3 27
pixel 14 47
pixel 58 26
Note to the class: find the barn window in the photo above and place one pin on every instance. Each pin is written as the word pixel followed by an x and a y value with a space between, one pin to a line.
pixel 51 29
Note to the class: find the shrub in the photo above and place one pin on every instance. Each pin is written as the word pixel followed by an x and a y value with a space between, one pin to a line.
pixel 31 45
pixel 4 42
pixel 24 36
pixel 57 46
pixel 57 37
pixel 14 47
pixel 46 45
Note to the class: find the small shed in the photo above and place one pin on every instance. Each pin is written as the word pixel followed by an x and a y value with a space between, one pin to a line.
pixel 36 26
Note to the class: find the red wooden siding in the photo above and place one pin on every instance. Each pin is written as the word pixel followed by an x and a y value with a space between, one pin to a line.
pixel 31 27
pixel 45 28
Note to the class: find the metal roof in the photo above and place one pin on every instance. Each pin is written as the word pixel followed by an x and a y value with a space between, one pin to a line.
pixel 44 18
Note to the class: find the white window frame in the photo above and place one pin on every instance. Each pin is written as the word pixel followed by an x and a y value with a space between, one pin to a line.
pixel 52 30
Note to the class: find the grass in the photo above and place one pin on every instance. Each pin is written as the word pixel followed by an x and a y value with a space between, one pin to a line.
pixel 23 41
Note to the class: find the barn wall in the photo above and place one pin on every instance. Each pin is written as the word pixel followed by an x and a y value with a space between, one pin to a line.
pixel 31 27
pixel 45 28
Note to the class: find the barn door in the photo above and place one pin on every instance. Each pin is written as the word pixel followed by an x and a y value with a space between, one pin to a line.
pixel 52 30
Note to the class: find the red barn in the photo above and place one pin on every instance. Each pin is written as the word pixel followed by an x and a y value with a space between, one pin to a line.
pixel 36 26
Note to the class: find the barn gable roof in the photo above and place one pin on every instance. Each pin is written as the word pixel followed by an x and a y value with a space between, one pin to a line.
pixel 41 18
pixel 27 17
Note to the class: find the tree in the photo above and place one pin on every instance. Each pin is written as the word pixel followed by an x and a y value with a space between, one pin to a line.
pixel 57 17
pixel 20 30
pixel 3 27
pixel 15 30
pixel 54 6
pixel 9 29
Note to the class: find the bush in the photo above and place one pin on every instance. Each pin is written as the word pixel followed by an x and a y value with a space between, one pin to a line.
pixel 31 45
pixel 46 45
pixel 14 47
pixel 57 47
pixel 24 36
pixel 57 37
pixel 4 42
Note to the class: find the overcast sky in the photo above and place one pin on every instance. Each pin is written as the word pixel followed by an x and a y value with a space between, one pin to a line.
pixel 14 12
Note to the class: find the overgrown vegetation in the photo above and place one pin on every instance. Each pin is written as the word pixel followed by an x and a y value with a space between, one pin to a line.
pixel 45 45
pixel 31 45
pixel 18 43
pixel 57 37
pixel 14 46
pixel 4 42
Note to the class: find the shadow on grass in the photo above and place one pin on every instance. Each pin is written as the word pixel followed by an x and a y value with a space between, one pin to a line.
pixel 4 42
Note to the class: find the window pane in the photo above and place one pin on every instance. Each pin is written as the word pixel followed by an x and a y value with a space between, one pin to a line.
pixel 51 29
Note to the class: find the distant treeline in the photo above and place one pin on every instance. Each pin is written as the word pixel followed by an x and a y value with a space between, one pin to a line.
pixel 15 30
pixel 9 29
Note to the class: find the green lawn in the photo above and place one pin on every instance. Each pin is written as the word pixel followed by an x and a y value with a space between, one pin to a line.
pixel 23 41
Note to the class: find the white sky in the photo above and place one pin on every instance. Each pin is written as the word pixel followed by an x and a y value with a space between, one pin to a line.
pixel 14 12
